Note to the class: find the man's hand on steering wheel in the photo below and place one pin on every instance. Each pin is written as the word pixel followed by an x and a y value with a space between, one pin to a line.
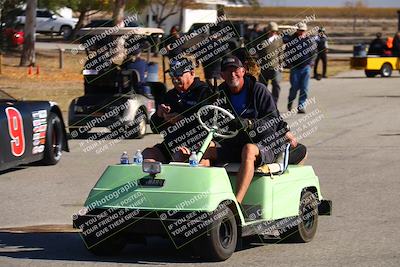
pixel 241 123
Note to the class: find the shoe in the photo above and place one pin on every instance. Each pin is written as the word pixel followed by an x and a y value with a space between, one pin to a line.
pixel 289 106
pixel 324 76
pixel 301 111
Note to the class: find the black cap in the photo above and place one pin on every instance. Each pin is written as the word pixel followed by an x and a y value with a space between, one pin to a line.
pixel 230 61
pixel 179 67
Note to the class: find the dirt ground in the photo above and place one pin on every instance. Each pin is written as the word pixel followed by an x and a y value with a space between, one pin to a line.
pixel 63 85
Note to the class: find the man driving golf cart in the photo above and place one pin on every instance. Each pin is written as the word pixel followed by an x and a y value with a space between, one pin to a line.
pixel 263 132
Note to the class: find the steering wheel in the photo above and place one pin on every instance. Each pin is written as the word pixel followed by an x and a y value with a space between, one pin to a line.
pixel 214 127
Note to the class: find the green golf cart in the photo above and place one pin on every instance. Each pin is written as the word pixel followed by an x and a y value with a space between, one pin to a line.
pixel 196 206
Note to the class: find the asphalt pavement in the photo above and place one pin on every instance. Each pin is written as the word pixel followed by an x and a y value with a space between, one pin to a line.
pixel 352 137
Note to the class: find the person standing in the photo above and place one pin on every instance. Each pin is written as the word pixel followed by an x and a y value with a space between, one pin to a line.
pixel 300 62
pixel 322 49
pixel 271 69
pixel 173 48
pixel 396 45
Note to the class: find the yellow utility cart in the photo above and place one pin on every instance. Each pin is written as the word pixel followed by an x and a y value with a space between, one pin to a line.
pixel 374 65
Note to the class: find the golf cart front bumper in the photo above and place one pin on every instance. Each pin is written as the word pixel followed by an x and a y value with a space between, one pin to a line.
pixel 101 224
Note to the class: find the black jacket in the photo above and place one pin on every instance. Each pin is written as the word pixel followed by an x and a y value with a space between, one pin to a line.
pixel 185 104
pixel 268 126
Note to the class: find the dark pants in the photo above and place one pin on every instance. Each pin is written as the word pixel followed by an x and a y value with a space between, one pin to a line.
pixel 275 77
pixel 321 56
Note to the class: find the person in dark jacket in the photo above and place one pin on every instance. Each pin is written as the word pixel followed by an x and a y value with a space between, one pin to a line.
pixel 271 67
pixel 263 132
pixel 171 43
pixel 396 45
pixel 322 49
pixel 377 46
pixel 174 117
pixel 300 62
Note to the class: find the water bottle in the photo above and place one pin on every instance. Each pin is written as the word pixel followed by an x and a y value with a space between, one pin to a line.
pixel 138 157
pixel 125 158
pixel 193 162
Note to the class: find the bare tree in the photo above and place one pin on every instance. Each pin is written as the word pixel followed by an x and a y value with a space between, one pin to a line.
pixel 355 7
pixel 118 12
pixel 28 52
pixel 163 9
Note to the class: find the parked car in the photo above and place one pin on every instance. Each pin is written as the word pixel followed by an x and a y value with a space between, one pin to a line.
pixel 32 131
pixel 13 37
pixel 48 22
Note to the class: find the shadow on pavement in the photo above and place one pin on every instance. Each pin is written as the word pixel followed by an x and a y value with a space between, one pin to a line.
pixel 70 247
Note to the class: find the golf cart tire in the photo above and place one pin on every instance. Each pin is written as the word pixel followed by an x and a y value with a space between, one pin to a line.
pixel 110 247
pixel 305 230
pixel 54 141
pixel 138 133
pixel 213 247
pixel 386 70
pixel 371 73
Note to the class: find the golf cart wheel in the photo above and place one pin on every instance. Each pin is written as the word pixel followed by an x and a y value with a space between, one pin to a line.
pixel 386 70
pixel 138 130
pixel 219 242
pixel 109 247
pixel 66 32
pixel 305 230
pixel 54 141
pixel 371 73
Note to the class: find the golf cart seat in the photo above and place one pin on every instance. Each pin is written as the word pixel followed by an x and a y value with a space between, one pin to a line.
pixel 278 167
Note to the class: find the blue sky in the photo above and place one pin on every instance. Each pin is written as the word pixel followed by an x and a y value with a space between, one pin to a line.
pixel 370 3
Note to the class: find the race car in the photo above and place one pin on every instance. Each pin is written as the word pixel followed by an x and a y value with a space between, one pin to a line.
pixel 31 131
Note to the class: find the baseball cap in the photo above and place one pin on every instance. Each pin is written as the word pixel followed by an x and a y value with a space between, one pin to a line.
pixel 302 26
pixel 230 61
pixel 178 67
pixel 272 26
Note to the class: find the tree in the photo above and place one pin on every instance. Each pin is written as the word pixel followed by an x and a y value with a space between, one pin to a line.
pixel 118 12
pixel 355 7
pixel 28 52
pixel 86 8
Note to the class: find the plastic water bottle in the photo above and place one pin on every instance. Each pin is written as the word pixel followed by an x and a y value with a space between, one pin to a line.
pixel 138 157
pixel 125 158
pixel 193 162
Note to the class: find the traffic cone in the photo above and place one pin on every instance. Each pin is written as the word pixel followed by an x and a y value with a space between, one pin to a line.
pixel 37 70
pixel 30 70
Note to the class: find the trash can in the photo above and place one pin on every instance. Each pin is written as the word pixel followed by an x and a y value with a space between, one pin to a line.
pixel 152 72
pixel 360 50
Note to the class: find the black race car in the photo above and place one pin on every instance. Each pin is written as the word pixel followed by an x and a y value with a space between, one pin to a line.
pixel 30 131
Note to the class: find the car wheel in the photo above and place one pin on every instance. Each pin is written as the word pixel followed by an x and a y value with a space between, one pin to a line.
pixel 371 73
pixel 220 241
pixel 386 70
pixel 307 220
pixel 110 246
pixel 54 141
pixel 66 32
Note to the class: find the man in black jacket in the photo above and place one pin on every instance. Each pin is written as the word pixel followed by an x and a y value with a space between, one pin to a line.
pixel 174 117
pixel 263 132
